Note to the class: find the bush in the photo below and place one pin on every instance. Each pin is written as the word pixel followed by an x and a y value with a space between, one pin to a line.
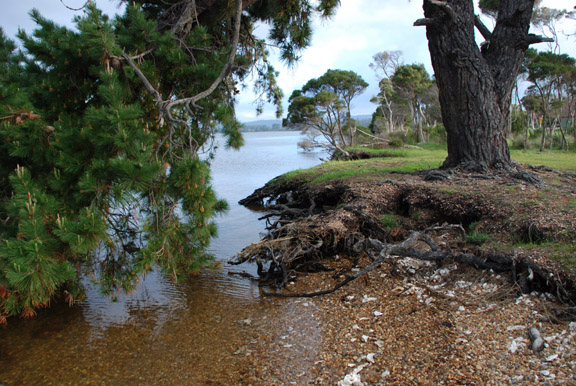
pixel 516 142
pixel 396 139
pixel 436 134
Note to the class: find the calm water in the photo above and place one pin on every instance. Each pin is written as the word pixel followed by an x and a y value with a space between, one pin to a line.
pixel 205 330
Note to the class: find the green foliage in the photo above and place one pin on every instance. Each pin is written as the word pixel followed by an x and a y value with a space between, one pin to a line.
pixel 407 97
pixel 345 84
pixel 489 7
pixel 436 134
pixel 546 66
pixel 412 77
pixel 396 139
pixel 291 28
pixel 323 106
pixel 99 174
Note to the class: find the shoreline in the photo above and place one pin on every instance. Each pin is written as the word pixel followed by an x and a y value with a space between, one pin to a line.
pixel 416 321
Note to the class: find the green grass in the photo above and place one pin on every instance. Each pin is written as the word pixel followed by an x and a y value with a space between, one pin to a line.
pixel 396 160
pixel 564 253
pixel 414 159
pixel 555 159
pixel 478 238
pixel 381 152
pixel 531 203
pixel 389 221
pixel 448 191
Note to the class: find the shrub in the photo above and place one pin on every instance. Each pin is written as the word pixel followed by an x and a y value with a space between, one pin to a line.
pixel 436 134
pixel 396 139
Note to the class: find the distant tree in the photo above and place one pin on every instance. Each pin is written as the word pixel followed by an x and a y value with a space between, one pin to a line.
pixel 551 76
pixel 412 83
pixel 324 104
pixel 346 85
pixel 387 117
pixel 546 20
pixel 385 65
pixel 322 113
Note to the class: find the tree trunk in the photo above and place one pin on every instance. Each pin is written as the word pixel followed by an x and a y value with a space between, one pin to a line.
pixel 543 125
pixel 421 120
pixel 388 103
pixel 475 86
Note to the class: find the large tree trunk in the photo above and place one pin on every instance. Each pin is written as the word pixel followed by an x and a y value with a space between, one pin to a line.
pixel 475 86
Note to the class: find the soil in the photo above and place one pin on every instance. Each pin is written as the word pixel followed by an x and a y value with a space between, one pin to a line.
pixel 506 266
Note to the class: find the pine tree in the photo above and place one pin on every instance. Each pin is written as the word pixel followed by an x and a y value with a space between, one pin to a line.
pixel 101 130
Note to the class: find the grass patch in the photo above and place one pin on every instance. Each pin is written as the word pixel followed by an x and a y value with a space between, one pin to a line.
pixel 555 159
pixel 560 252
pixel 428 156
pixel 475 237
pixel 384 153
pixel 478 238
pixel 531 203
pixel 399 160
pixel 448 191
pixel 389 221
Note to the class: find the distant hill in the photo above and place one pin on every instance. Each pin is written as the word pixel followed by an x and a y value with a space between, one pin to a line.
pixel 263 125
pixel 276 124
pixel 363 120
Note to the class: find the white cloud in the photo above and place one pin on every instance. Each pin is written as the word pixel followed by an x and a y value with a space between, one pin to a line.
pixel 360 29
pixel 16 15
pixel 348 41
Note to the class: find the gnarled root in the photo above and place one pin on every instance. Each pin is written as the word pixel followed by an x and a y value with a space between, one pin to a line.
pixel 300 245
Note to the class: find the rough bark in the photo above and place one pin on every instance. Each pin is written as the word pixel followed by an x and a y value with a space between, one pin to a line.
pixel 475 85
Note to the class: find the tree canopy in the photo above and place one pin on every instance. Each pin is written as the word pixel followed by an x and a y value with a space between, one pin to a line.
pixel 553 78
pixel 323 104
pixel 413 82
pixel 102 131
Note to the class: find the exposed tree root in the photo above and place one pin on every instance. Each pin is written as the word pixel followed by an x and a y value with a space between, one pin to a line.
pixel 307 225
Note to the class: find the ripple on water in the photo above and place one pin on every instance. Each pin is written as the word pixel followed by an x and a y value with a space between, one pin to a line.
pixel 175 333
pixel 155 299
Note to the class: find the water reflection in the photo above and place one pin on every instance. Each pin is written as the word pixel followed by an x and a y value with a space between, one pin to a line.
pixel 156 295
pixel 191 332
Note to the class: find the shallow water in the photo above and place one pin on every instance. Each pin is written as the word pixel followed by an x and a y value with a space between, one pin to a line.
pixel 203 330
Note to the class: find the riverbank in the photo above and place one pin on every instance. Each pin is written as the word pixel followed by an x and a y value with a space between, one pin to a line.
pixel 465 268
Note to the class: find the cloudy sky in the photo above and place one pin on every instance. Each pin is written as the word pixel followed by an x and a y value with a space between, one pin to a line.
pixel 348 41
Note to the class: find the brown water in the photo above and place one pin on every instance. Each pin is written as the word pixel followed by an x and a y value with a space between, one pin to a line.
pixel 210 329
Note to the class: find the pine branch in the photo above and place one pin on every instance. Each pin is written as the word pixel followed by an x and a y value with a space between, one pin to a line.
pixel 165 106
pixel 225 70
pixel 533 39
